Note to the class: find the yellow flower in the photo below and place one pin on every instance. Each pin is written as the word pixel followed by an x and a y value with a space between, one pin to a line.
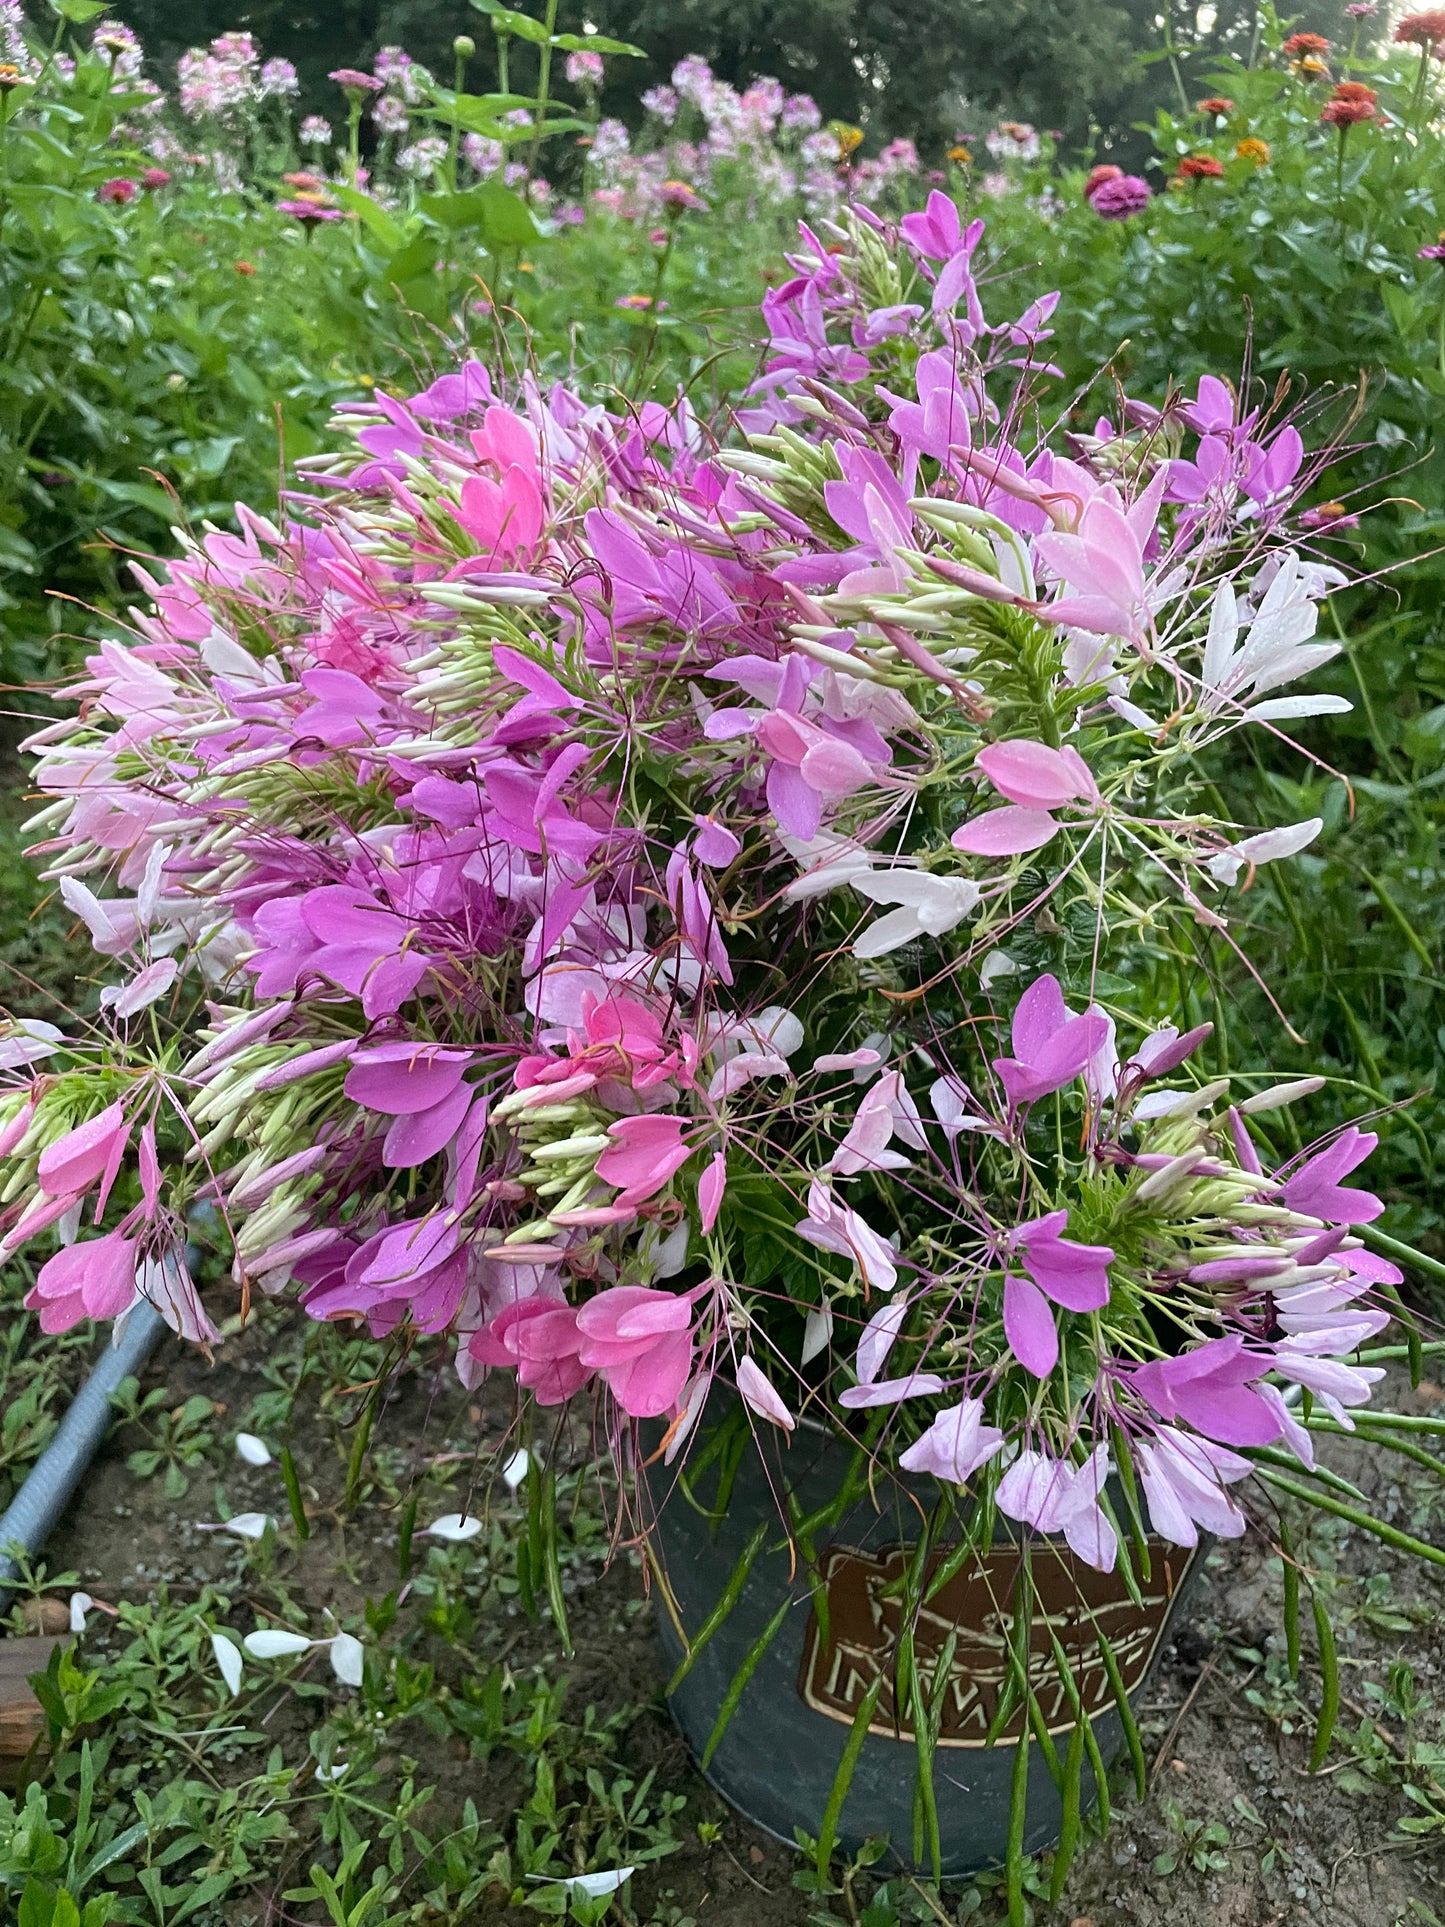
pixel 960 155
pixel 1254 150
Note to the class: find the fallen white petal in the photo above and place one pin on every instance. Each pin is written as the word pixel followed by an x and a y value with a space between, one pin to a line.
pixel 457 1527
pixel 516 1469
pixel 273 1642
pixel 594 1885
pixel 245 1525
pixel 228 1658
pixel 80 1604
pixel 347 1658
pixel 253 1450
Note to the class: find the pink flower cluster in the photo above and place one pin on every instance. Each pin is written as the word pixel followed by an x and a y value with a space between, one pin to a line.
pixel 726 145
pixel 580 838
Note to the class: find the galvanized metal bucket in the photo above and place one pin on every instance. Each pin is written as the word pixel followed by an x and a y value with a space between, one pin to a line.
pixel 778 1758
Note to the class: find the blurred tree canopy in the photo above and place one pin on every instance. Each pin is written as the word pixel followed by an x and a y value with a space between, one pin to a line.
pixel 1092 69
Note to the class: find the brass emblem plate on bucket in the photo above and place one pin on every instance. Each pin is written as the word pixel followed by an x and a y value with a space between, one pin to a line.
pixel 977 1605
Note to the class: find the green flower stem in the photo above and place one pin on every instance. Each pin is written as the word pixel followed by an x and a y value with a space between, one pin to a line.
pixel 1405 1255
pixel 353 136
pixel 1354 1515
pixel 459 74
pixel 544 76
pixel 6 100
pixel 642 354
pixel 1422 83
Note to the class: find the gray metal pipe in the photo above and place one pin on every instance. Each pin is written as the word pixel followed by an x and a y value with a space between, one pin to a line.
pixel 51 1483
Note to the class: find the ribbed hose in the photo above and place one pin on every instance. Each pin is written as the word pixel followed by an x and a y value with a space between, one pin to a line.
pixel 47 1491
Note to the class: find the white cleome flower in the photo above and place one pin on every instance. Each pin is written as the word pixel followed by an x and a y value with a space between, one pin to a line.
pixel 928 906
pixel 1267 847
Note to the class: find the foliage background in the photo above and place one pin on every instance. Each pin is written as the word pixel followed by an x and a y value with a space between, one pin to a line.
pixel 922 68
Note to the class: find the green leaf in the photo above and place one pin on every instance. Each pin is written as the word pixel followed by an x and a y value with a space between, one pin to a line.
pixel 501 216
pixel 77 12
pixel 491 105
pixel 16 552
pixel 504 20
pixel 383 224
pixel 113 1850
pixel 594 43
pixel 418 257
pixel 201 1895
pixel 36 1906
pixel 291 1480
pixel 571 125
pixel 143 495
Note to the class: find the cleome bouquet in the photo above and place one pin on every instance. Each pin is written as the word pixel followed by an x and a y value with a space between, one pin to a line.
pixel 712 913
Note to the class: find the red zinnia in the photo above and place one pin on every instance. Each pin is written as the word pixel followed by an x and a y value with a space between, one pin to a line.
pixel 1421 29
pixel 1216 104
pixel 1097 177
pixel 1300 44
pixel 1351 103
pixel 1346 113
pixel 1200 167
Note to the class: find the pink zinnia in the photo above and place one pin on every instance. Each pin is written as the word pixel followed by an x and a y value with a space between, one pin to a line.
pixel 308 211
pixel 119 190
pixel 678 194
pixel 1116 200
pixel 1106 171
pixel 352 78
